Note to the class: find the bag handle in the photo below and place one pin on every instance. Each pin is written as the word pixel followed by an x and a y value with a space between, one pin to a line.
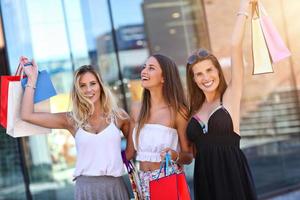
pixel 165 164
pixel 255 11
pixel 19 71
pixel 258 9
pixel 262 9
pixel 128 163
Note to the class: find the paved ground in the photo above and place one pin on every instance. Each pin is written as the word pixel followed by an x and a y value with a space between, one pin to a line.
pixel 290 196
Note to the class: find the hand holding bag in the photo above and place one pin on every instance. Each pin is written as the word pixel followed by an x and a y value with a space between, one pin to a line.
pixel 267 45
pixel 172 186
pixel 133 177
pixel 15 126
pixel 261 58
pixel 44 87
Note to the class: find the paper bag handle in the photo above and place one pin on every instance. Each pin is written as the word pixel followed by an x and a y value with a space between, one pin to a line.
pixel 20 71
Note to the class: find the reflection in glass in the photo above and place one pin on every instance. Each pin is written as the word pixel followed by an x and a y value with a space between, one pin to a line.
pixel 62 33
pixel 11 178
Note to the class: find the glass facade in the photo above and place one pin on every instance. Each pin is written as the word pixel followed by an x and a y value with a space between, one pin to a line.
pixel 117 36
pixel 12 183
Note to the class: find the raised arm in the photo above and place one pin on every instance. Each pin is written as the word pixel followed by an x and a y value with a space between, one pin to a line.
pixel 233 94
pixel 237 49
pixel 49 120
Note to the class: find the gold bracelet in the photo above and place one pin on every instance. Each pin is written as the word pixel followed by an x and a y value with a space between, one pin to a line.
pixel 243 13
pixel 30 86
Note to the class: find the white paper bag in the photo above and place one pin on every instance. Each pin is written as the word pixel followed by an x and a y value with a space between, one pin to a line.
pixel 15 126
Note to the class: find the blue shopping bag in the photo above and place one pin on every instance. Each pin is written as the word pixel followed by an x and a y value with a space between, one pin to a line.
pixel 44 87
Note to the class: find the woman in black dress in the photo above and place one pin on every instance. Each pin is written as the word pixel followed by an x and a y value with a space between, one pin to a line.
pixel 221 169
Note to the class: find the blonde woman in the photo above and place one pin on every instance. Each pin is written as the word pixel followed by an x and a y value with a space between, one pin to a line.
pixel 159 121
pixel 95 122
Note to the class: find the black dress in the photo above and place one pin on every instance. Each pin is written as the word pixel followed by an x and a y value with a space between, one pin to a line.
pixel 221 170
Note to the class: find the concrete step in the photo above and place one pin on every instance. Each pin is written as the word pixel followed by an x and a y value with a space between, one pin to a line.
pixel 251 121
pixel 277 106
pixel 269 113
pixel 270 125
pixel 283 94
pixel 271 132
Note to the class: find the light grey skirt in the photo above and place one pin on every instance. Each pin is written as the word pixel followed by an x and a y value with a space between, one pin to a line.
pixel 100 187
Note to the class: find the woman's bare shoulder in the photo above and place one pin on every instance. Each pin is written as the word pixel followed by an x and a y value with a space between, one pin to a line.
pixel 135 110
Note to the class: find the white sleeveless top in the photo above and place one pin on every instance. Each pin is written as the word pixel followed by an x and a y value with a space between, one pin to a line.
pixel 99 154
pixel 153 138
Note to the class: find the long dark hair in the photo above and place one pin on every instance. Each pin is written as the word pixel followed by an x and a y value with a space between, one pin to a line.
pixel 173 92
pixel 196 96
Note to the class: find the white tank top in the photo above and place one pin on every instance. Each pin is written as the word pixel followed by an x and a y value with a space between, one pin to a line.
pixel 153 138
pixel 99 154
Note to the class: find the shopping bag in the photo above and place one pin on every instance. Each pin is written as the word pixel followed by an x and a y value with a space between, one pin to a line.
pixel 183 188
pixel 276 46
pixel 4 83
pixel 44 87
pixel 171 187
pixel 133 177
pixel 15 126
pixel 4 95
pixel 261 58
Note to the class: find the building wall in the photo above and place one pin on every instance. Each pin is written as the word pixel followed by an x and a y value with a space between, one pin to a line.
pixel 221 17
pixel 183 24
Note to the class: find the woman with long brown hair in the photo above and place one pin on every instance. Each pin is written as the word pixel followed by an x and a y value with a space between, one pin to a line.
pixel 95 122
pixel 221 169
pixel 159 121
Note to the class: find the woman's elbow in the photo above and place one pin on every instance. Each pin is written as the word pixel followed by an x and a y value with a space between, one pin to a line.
pixel 187 158
pixel 25 116
pixel 129 154
pixel 190 158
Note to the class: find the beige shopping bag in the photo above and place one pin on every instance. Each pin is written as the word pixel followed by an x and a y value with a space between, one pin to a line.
pixel 15 126
pixel 261 57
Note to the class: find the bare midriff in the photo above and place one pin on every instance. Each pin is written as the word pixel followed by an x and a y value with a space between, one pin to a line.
pixel 149 166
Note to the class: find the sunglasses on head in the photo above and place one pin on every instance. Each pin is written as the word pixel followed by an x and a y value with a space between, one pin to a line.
pixel 200 54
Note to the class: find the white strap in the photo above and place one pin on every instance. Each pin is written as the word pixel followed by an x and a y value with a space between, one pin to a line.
pixel 261 8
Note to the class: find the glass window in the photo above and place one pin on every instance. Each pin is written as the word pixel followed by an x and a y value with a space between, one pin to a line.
pixel 117 37
pixel 12 184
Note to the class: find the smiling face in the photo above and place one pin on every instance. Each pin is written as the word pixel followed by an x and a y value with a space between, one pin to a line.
pixel 206 76
pixel 151 75
pixel 90 87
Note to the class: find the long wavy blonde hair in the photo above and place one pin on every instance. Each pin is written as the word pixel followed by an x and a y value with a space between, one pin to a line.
pixel 83 108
